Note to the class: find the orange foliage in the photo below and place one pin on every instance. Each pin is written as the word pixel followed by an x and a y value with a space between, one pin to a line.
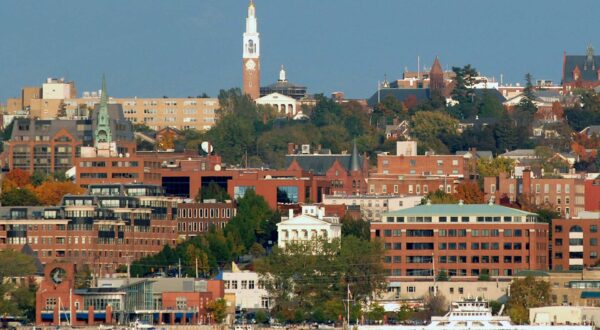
pixel 18 177
pixel 469 192
pixel 52 192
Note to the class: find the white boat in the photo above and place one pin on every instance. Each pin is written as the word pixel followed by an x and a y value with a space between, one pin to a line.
pixel 470 315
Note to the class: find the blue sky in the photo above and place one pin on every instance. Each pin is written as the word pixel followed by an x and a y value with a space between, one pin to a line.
pixel 184 47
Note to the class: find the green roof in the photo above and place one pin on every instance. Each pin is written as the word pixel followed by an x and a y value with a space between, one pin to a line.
pixel 459 210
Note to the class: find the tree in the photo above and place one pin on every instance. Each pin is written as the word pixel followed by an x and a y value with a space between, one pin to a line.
pixel 439 197
pixel 427 126
pixel 257 250
pixel 52 192
pixel 20 178
pixel 213 191
pixel 19 197
pixel 506 134
pixel 463 91
pixel 493 167
pixel 261 317
pixel 218 309
pixel 15 264
pixel 376 312
pixel 83 277
pixel 442 276
pixel 469 192
pixel 356 227
pixel 527 293
pixel 434 305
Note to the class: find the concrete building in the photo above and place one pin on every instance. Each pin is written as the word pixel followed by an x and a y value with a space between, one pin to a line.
pixel 285 105
pixel 58 89
pixel 373 206
pixel 571 288
pixel 310 225
pixel 157 113
pixel 564 315
pixel 250 294
pixel 464 240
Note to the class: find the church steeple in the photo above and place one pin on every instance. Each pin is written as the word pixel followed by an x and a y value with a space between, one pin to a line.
pixel 354 161
pixel 103 132
pixel 436 76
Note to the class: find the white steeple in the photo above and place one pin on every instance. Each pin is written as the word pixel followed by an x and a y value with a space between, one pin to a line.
pixel 251 36
pixel 282 74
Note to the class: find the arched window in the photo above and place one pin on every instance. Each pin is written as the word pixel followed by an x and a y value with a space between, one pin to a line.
pixel 576 229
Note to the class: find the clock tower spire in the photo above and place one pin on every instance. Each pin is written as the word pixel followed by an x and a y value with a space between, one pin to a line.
pixel 251 55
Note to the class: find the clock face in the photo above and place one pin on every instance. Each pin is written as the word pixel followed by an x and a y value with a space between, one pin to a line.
pixel 57 275
pixel 250 65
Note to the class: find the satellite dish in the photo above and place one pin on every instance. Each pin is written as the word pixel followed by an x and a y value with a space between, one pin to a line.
pixel 207 147
pixel 217 167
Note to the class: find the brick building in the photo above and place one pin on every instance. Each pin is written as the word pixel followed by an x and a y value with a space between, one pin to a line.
pixel 372 206
pixel 581 71
pixel 566 195
pixel 195 219
pixel 410 185
pixel 464 240
pixel 592 194
pixel 453 166
pixel 174 301
pixel 109 226
pixel 575 243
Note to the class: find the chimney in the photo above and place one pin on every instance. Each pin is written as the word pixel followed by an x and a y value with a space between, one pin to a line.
pixel 290 148
pixel 527 182
pixel 290 213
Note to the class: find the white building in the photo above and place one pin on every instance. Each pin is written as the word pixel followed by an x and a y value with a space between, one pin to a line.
pixel 57 89
pixel 373 206
pixel 284 104
pixel 561 315
pixel 309 225
pixel 248 290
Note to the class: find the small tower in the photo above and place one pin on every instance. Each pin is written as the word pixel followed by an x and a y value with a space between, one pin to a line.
pixel 103 132
pixel 251 55
pixel 282 74
pixel 436 77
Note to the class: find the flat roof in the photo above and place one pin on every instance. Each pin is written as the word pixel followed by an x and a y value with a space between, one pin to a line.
pixel 459 210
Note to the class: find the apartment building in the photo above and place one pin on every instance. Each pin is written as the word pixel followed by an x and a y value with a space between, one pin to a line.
pixel 194 219
pixel 109 226
pixel 373 206
pixel 157 113
pixel 575 242
pixel 566 195
pixel 463 240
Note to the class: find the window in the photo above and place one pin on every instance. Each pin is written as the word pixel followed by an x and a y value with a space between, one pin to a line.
pixel 593 228
pixel 287 194
pixel 411 289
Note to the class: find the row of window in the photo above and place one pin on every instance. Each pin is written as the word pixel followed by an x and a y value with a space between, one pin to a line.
pixel 450 272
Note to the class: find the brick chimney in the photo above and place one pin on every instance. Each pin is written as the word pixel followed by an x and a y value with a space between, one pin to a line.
pixel 291 148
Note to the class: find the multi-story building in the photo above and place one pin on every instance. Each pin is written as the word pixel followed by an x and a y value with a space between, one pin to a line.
pixel 581 71
pixel 452 166
pixel 410 185
pixel 157 113
pixel 592 194
pixel 569 288
pixel 310 225
pixel 373 206
pixel 250 294
pixel 566 195
pixel 195 219
pixel 174 301
pixel 575 242
pixel 464 240
pixel 111 225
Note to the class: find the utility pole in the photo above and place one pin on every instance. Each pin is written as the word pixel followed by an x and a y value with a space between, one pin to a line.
pixel 196 267
pixel 179 268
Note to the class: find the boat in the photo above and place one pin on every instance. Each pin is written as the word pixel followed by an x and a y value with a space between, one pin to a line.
pixel 472 314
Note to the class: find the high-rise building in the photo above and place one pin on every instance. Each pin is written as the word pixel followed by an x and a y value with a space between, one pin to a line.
pixel 251 55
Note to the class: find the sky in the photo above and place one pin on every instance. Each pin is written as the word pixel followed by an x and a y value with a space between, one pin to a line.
pixel 180 48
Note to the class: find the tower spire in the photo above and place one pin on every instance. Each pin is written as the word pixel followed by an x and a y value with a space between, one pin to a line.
pixel 103 130
pixel 354 162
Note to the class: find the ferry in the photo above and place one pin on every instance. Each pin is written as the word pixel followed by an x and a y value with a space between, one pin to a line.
pixel 472 315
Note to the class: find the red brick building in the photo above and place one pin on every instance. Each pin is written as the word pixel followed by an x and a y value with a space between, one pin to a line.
pixel 592 194
pixel 410 185
pixel 463 240
pixel 423 165
pixel 581 71
pixel 575 243
pixel 566 195
pixel 195 219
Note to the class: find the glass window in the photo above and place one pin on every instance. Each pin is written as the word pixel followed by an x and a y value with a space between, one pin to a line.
pixel 287 194
pixel 240 191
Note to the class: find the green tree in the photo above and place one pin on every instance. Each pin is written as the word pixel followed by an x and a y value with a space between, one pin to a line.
pixel 526 293
pixel 83 277
pixel 261 317
pixel 15 264
pixel 428 126
pixel 442 276
pixel 495 166
pixel 464 93
pixel 376 312
pixel 214 191
pixel 19 197
pixel 218 310
pixel 439 197
pixel 356 227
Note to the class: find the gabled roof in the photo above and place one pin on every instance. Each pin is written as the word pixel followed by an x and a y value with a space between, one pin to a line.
pixel 591 130
pixel 588 70
pixel 304 220
pixel 275 97
pixel 320 164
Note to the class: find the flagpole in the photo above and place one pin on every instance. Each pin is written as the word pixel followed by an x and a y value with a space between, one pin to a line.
pixel 348 307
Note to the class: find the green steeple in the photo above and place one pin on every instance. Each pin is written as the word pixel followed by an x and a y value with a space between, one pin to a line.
pixel 103 132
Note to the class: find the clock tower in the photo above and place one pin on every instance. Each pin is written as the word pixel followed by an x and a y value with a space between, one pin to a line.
pixel 251 55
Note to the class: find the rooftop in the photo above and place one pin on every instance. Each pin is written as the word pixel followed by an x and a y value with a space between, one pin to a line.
pixel 460 210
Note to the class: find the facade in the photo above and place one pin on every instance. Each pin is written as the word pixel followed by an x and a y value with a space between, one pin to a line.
pixel 373 206
pixel 464 240
pixel 174 301
pixel 566 195
pixel 285 105
pixel 335 173
pixel 410 185
pixel 311 224
pixel 194 219
pixel 157 113
pixel 564 315
pixel 581 71
pixel 569 288
pixel 251 55
pixel 247 287
pixel 592 194
pixel 109 226
pixel 575 243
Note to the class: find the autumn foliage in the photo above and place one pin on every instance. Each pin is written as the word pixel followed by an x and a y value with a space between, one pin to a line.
pixel 469 192
pixel 18 190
